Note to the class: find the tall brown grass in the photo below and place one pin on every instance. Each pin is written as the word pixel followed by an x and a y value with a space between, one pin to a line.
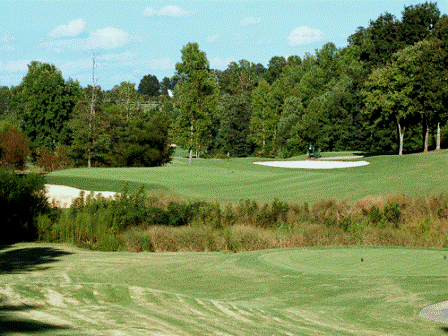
pixel 167 222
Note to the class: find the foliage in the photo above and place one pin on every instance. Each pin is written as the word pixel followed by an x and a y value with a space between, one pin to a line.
pixel 5 102
pixel 149 85
pixel 22 199
pixel 116 138
pixel 264 118
pixel 53 160
pixel 46 104
pixel 14 147
pixel 90 132
pixel 195 99
pixel 143 142
pixel 168 84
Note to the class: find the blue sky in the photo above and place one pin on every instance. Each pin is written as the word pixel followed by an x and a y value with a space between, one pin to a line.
pixel 131 39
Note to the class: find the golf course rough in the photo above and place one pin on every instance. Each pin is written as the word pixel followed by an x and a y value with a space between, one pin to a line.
pixel 304 291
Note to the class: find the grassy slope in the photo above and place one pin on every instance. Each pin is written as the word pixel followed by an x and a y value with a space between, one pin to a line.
pixel 308 291
pixel 236 179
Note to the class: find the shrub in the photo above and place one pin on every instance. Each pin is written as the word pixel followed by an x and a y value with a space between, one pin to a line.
pixel 178 214
pixel 22 200
pixel 14 147
pixel 53 160
pixel 392 213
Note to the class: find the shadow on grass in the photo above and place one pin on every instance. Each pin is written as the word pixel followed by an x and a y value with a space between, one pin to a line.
pixel 26 259
pixel 20 260
pixel 444 329
pixel 12 325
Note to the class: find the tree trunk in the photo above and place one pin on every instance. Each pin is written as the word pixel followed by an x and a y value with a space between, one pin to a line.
pixel 438 136
pixel 401 136
pixel 425 135
pixel 191 141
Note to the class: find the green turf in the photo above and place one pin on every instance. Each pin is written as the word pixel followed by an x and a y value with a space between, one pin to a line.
pixel 235 179
pixel 305 291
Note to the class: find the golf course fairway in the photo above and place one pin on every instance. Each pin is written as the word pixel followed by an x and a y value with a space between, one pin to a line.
pixel 359 290
pixel 235 179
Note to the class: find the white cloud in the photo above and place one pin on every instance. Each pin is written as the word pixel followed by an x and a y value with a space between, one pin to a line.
pixel 161 64
pixel 172 10
pixel 249 21
pixel 73 67
pixel 126 56
pixel 10 43
pixel 65 44
pixel 212 38
pixel 15 66
pixel 8 48
pixel 73 28
pixel 107 38
pixel 304 35
pixel 7 38
pixel 219 63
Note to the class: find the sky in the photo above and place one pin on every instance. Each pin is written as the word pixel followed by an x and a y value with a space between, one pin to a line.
pixel 131 39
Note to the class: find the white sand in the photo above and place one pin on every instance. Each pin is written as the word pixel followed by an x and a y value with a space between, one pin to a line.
pixel 437 312
pixel 313 164
pixel 63 196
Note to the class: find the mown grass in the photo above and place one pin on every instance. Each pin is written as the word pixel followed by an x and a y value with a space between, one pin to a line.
pixel 236 179
pixel 305 291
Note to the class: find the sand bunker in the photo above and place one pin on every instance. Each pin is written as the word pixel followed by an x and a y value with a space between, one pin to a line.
pixel 63 196
pixel 437 312
pixel 313 164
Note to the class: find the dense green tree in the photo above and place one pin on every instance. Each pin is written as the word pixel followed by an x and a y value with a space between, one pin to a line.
pixel 234 112
pixel 196 96
pixel 46 104
pixel 387 96
pixel 141 141
pixel 168 84
pixel 275 68
pixel 418 21
pixel 379 41
pixel 425 66
pixel 5 102
pixel 290 140
pixel 126 96
pixel 149 85
pixel 386 35
pixel 264 119
pixel 91 139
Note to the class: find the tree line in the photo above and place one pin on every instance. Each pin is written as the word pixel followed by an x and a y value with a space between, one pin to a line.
pixel 386 91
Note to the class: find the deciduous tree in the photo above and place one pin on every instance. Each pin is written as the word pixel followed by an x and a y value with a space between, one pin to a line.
pixel 149 85
pixel 47 102
pixel 196 96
